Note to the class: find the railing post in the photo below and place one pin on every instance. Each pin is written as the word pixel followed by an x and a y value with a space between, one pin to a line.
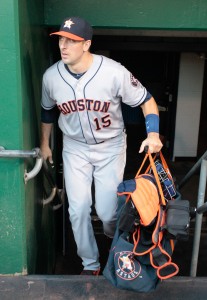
pixel 192 171
pixel 198 221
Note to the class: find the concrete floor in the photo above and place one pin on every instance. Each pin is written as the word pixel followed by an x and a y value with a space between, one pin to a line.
pixel 95 288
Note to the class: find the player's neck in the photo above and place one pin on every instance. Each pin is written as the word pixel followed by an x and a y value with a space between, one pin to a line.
pixel 83 65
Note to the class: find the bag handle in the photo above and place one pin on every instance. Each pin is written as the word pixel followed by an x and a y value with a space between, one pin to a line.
pixel 167 268
pixel 164 164
pixel 152 165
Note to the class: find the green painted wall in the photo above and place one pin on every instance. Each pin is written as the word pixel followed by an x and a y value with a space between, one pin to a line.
pixel 142 14
pixel 34 61
pixel 12 217
pixel 26 236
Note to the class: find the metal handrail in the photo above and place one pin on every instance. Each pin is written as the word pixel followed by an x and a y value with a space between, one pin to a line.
pixel 201 207
pixel 199 216
pixel 192 171
pixel 19 153
pixel 35 153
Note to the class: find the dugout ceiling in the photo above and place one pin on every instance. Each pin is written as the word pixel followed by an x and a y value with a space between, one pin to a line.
pixel 177 16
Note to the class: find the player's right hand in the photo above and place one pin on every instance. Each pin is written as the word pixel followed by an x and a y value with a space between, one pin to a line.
pixel 153 143
pixel 46 153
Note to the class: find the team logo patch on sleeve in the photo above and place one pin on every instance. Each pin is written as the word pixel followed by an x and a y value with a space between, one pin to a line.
pixel 127 269
pixel 134 81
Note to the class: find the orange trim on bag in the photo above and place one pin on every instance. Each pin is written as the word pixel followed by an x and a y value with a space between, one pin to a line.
pixel 172 244
pixel 167 264
pixel 136 242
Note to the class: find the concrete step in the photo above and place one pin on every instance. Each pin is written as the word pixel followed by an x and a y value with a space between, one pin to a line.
pixel 95 288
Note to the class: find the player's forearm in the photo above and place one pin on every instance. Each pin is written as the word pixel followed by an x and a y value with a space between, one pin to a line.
pixel 151 113
pixel 46 129
pixel 150 107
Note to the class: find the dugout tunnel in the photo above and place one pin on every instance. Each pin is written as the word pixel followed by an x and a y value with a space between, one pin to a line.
pixel 165 51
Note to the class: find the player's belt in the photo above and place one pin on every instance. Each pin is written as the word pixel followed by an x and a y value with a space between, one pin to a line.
pixel 124 130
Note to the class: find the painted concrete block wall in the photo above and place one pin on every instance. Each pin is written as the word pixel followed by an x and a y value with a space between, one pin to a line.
pixel 188 105
pixel 26 236
pixel 150 14
pixel 12 217
pixel 34 60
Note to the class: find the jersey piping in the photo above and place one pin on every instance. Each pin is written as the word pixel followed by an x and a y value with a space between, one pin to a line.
pixel 141 100
pixel 85 97
pixel 74 98
pixel 47 107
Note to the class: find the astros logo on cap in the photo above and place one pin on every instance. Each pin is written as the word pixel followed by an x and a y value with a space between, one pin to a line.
pixel 68 23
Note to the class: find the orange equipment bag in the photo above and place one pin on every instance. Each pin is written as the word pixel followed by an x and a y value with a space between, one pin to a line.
pixel 146 194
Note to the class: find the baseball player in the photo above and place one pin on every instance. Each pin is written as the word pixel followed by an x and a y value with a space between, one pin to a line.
pixel 88 90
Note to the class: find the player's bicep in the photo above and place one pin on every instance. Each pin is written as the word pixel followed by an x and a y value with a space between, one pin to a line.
pixel 133 92
pixel 48 115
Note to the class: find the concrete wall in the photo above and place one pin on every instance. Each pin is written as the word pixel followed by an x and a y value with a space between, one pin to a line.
pixel 12 212
pixel 25 234
pixel 33 62
pixel 142 14
pixel 190 88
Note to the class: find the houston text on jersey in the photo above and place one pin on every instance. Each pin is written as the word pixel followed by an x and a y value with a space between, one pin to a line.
pixel 83 104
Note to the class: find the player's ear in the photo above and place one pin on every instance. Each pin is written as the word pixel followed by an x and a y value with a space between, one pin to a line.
pixel 86 45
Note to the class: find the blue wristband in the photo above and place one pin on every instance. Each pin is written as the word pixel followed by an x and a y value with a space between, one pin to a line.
pixel 152 123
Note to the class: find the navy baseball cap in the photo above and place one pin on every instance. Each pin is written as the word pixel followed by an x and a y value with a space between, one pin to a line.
pixel 75 28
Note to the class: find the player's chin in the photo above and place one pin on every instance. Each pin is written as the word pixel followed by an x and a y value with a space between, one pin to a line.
pixel 65 59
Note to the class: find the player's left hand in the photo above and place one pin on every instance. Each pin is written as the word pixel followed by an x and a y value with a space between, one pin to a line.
pixel 153 142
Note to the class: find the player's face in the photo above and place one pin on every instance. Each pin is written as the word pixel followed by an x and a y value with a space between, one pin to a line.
pixel 72 51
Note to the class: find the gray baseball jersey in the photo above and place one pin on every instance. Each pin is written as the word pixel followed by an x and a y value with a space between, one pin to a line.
pixel 91 106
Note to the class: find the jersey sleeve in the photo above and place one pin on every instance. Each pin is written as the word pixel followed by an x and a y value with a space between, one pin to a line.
pixel 132 92
pixel 48 115
pixel 47 102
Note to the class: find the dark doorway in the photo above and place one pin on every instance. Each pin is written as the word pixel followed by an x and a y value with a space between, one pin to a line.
pixel 158 72
pixel 202 140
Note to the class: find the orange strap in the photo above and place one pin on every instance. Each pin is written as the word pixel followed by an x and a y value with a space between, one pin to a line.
pixel 141 167
pixel 165 266
pixel 152 165
pixel 157 235
pixel 136 242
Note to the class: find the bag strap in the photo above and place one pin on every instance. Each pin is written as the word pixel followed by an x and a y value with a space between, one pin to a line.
pixel 136 240
pixel 159 258
pixel 156 235
pixel 152 165
pixel 162 261
pixel 164 164
pixel 142 165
